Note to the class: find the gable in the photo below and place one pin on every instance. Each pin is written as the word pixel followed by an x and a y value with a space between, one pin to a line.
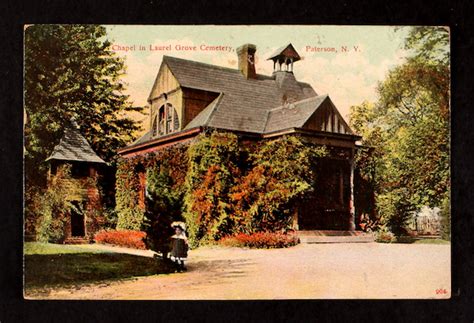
pixel 328 119
pixel 293 115
pixel 165 82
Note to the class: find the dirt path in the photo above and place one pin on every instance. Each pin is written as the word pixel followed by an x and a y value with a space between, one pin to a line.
pixel 364 270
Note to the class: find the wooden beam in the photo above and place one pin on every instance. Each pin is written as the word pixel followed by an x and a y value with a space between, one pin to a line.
pixel 351 199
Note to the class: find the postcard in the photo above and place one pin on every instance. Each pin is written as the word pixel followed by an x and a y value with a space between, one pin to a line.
pixel 212 162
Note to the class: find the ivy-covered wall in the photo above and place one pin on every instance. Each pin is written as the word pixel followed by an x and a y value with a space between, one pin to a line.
pixel 130 214
pixel 217 185
pixel 52 206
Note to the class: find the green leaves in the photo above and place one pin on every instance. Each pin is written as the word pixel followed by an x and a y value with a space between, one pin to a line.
pixel 213 168
pixel 71 72
pixel 429 44
pixel 281 172
pixel 408 127
pixel 130 214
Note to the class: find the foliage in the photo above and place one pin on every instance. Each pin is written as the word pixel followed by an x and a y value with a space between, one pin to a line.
pixel 217 186
pixel 129 212
pixel 395 210
pixel 70 71
pixel 384 236
pixel 213 169
pixel 281 173
pixel 429 44
pixel 52 206
pixel 261 240
pixel 164 199
pixel 408 128
pixel 122 238
pixel 446 218
pixel 165 172
pixel 33 198
pixel 110 217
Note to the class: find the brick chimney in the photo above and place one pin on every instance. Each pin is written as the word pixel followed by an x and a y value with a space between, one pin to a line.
pixel 246 54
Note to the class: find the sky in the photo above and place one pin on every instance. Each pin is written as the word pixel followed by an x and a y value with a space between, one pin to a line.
pixel 348 77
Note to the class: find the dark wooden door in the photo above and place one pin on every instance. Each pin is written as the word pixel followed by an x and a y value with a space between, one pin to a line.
pixel 77 222
pixel 327 208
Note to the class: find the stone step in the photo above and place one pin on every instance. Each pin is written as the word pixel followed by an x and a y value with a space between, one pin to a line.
pixel 334 236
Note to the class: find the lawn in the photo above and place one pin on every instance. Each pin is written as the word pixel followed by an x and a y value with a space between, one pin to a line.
pixel 51 265
pixel 432 241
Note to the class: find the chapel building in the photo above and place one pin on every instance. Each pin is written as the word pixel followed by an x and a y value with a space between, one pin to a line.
pixel 188 98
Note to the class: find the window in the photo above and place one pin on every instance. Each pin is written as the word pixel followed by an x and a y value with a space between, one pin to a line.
pixel 154 127
pixel 168 120
pixel 161 124
pixel 79 170
pixel 176 121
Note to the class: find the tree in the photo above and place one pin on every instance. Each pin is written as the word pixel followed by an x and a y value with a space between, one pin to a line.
pixel 164 204
pixel 429 44
pixel 70 71
pixel 409 128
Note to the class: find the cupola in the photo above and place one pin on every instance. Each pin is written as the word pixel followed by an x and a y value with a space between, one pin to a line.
pixel 283 58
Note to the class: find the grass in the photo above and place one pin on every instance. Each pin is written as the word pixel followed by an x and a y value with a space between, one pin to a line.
pixel 50 265
pixel 37 248
pixel 432 241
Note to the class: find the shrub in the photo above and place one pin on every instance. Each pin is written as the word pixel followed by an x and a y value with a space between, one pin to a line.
pixel 265 240
pixel 163 206
pixel 123 238
pixel 395 209
pixel 385 236
pixel 446 219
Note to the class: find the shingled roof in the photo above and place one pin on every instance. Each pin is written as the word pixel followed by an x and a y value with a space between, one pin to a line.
pixel 244 103
pixel 293 115
pixel 74 147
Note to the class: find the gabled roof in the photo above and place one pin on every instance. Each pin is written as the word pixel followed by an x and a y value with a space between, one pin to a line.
pixel 144 138
pixel 74 147
pixel 203 118
pixel 260 105
pixel 245 102
pixel 293 115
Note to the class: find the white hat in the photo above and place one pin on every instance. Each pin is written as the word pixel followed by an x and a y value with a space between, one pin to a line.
pixel 179 224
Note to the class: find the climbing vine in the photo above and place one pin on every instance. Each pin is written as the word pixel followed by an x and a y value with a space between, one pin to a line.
pixel 281 173
pixel 54 205
pixel 213 170
pixel 165 172
pixel 130 215
pixel 217 185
